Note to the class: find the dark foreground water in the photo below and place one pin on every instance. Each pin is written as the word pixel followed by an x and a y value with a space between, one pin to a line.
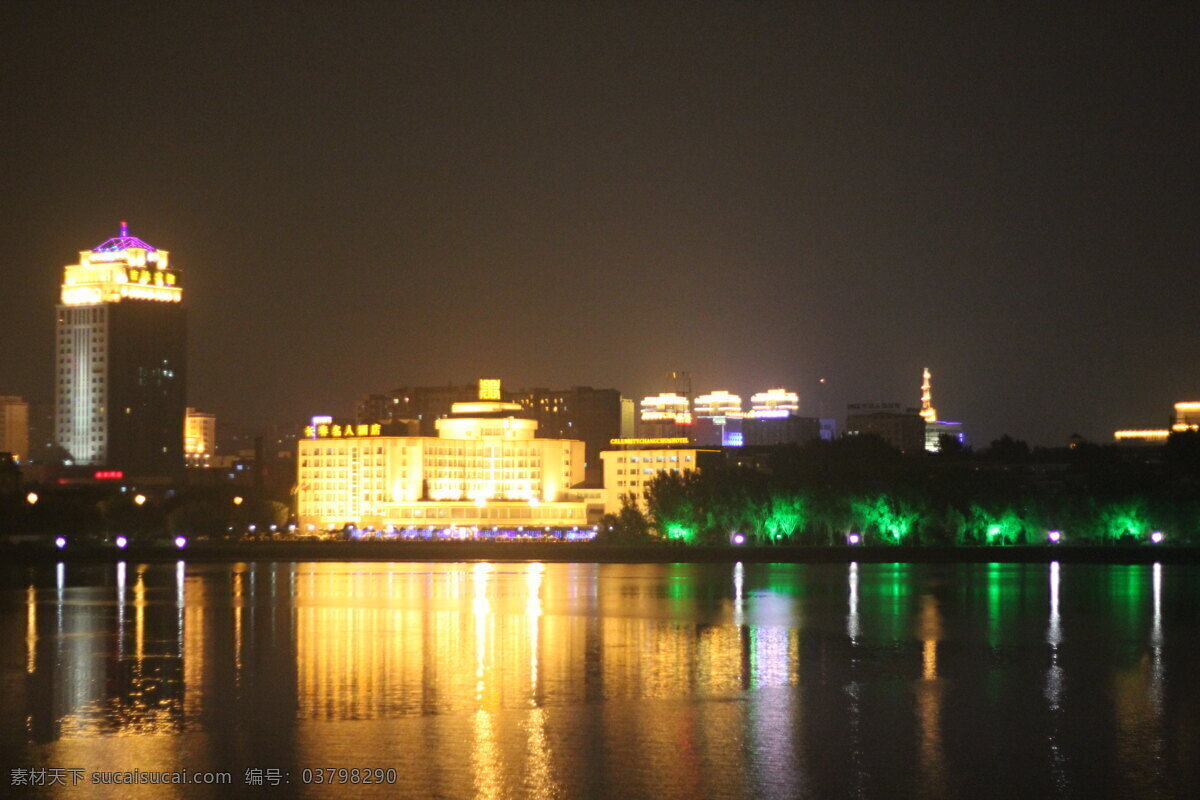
pixel 506 680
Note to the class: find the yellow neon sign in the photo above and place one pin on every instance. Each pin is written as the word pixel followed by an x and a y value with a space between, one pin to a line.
pixel 667 440
pixel 489 388
pixel 341 431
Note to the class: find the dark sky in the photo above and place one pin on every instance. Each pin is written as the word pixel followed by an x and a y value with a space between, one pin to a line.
pixel 368 195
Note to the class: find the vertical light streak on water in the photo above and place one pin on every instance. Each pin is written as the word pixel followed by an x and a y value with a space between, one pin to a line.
pixel 195 597
pixel 1156 648
pixel 533 612
pixel 237 626
pixel 180 572
pixel 1054 683
pixel 479 605
pixel 852 625
pixel 929 702
pixel 485 756
pixel 139 616
pixel 739 581
pixel 854 688
pixel 773 714
pixel 60 578
pixel 252 572
pixel 485 753
pixel 120 610
pixel 31 630
pixel 540 776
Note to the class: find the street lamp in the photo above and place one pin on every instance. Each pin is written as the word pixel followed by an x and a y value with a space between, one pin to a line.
pixel 140 499
pixel 237 501
pixel 31 498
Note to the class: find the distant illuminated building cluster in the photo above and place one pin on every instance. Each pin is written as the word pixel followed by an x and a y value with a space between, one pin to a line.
pixel 485 468
pixel 1186 418
pixel 719 419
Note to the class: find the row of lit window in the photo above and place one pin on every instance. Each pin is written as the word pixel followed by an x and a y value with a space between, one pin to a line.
pixel 652 459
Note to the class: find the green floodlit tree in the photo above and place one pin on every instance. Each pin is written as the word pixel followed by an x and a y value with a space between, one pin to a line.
pixel 818 492
pixel 672 507
pixel 890 519
pixel 1125 521
pixel 783 514
pixel 995 528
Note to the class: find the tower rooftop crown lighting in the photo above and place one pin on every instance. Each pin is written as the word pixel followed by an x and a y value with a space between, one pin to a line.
pixel 121 268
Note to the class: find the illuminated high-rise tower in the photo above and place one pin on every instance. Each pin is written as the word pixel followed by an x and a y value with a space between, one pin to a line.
pixel 121 349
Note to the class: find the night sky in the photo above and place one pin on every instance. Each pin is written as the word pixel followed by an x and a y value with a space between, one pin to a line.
pixel 370 195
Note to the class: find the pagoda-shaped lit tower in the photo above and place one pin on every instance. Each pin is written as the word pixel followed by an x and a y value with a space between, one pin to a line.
pixel 928 412
pixel 936 428
pixel 121 349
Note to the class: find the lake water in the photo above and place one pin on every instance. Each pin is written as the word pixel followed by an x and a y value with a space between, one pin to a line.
pixel 507 680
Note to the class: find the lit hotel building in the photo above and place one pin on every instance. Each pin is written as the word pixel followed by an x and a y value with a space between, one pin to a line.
pixel 630 470
pixel 120 359
pixel 484 469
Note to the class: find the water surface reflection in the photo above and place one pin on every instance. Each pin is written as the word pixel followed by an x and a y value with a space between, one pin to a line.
pixel 496 680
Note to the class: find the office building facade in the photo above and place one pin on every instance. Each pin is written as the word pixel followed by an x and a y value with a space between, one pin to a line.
pixel 120 359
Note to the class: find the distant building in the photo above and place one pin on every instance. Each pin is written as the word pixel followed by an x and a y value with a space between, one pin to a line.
pixel 199 438
pixel 591 415
pixel 120 359
pixel 485 468
pixel 14 427
pixel 1185 418
pixel 1142 435
pixel 774 403
pixel 629 471
pixel 902 428
pixel 666 407
pixel 10 474
pixel 767 431
pixel 718 418
pixel 628 418
pixel 934 431
pixel 580 412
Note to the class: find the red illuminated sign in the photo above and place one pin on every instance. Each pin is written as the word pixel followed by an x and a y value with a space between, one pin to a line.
pixel 109 475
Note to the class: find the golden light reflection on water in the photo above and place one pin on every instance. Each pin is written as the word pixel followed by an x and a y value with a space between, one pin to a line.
pixel 929 701
pixel 675 680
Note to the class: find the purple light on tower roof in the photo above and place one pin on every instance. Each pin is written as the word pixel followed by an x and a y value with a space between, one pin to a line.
pixel 122 242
